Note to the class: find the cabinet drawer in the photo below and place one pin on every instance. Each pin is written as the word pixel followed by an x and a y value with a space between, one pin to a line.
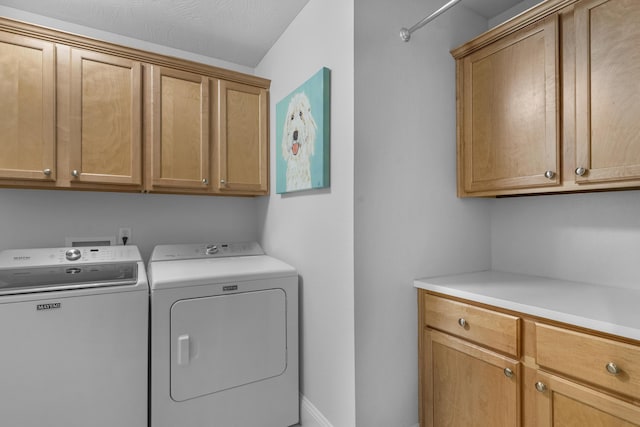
pixel 589 358
pixel 489 328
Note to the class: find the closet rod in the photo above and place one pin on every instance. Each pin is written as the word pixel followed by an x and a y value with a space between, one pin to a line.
pixel 405 34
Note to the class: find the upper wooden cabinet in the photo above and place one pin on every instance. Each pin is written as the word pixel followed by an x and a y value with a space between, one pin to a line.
pixel 83 114
pixel 105 138
pixel 509 132
pixel 197 145
pixel 548 102
pixel 179 127
pixel 607 90
pixel 243 147
pixel 27 109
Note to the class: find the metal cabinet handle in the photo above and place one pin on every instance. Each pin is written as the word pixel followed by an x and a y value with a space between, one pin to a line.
pixel 549 174
pixel 541 387
pixel 47 172
pixel 462 322
pixel 223 182
pixel 580 171
pixel 75 173
pixel 508 373
pixel 205 181
pixel 612 368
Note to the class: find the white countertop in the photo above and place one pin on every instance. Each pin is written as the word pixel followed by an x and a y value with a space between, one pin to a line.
pixel 602 308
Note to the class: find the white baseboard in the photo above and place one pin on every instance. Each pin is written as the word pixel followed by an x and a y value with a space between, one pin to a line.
pixel 310 416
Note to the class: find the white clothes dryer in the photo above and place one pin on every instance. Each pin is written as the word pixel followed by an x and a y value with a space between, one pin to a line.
pixel 74 331
pixel 224 337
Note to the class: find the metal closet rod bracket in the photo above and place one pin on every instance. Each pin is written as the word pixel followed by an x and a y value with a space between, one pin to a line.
pixel 405 34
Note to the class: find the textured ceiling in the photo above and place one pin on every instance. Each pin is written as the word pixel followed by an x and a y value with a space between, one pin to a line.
pixel 237 31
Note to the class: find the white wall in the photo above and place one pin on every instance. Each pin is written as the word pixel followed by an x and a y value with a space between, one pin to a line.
pixel 409 223
pixel 43 218
pixel 593 238
pixel 313 230
pixel 34 218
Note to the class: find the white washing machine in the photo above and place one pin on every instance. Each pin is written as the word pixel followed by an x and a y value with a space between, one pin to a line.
pixel 224 337
pixel 74 337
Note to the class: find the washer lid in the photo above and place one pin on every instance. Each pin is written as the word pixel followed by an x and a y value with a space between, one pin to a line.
pixel 53 278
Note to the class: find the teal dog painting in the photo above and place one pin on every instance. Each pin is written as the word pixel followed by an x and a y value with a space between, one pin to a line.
pixel 303 128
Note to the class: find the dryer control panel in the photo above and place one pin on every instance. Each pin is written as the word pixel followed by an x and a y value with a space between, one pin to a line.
pixel 205 250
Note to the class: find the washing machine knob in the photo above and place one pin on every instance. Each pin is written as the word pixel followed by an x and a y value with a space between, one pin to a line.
pixel 211 249
pixel 73 254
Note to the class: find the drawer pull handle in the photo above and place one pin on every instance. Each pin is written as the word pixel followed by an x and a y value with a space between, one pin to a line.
pixel 541 387
pixel 612 368
pixel 508 373
pixel 549 174
pixel 462 322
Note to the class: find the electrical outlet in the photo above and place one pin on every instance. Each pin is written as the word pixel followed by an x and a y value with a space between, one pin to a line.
pixel 124 233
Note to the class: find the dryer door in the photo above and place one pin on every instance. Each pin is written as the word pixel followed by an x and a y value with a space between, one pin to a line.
pixel 226 341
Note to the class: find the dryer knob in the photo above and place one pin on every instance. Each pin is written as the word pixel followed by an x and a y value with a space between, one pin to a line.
pixel 73 254
pixel 211 249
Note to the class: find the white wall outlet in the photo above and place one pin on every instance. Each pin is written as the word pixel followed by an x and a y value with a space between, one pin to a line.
pixel 124 233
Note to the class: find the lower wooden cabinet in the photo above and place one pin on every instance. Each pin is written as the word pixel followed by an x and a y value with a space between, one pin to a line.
pixel 561 403
pixel 491 399
pixel 558 376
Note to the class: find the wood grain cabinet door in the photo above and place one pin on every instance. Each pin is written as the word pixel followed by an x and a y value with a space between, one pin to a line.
pixel 509 132
pixel 467 385
pixel 105 138
pixel 607 90
pixel 242 143
pixel 562 403
pixel 27 108
pixel 179 142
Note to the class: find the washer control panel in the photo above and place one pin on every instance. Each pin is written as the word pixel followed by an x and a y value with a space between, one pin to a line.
pixel 13 258
pixel 205 250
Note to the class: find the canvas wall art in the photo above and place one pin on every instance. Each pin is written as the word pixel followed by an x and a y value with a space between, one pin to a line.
pixel 302 134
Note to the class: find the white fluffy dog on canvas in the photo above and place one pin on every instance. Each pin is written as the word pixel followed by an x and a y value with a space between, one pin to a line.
pixel 298 142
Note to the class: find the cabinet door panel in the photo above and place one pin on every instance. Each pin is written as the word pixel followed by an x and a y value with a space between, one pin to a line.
pixel 243 146
pixel 180 129
pixel 467 386
pixel 566 404
pixel 510 132
pixel 106 135
pixel 27 108
pixel 607 90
